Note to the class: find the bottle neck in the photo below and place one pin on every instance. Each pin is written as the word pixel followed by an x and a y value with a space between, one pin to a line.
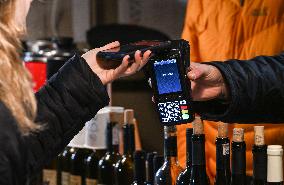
pixel 238 158
pixel 222 153
pixel 149 170
pixel 139 170
pixel 170 147
pixel 189 148
pixel 260 162
pixel 112 144
pixel 128 139
pixel 109 138
pixel 198 150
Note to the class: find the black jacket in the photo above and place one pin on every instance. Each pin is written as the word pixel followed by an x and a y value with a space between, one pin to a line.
pixel 256 89
pixel 69 99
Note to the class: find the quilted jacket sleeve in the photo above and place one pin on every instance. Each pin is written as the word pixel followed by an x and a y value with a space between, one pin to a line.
pixel 256 89
pixel 70 98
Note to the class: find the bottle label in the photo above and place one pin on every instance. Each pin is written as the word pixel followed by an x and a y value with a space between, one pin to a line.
pixel 49 177
pixel 75 180
pixel 65 178
pixel 226 149
pixel 91 181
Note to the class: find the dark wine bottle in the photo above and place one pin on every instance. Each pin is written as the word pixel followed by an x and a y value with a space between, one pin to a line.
pixel 198 169
pixel 223 171
pixel 106 167
pixel 97 133
pixel 158 163
pixel 50 173
pixel 274 165
pixel 168 173
pixel 124 167
pixel 91 162
pixel 238 158
pixel 150 168
pixel 78 166
pixel 77 159
pixel 65 164
pixel 259 152
pixel 139 168
pixel 184 177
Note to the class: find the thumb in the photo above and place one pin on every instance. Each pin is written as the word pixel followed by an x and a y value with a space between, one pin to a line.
pixel 196 71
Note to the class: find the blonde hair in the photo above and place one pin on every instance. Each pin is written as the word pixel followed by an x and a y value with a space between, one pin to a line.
pixel 15 81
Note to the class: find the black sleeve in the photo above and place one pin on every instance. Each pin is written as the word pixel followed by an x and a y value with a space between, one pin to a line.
pixel 70 98
pixel 256 89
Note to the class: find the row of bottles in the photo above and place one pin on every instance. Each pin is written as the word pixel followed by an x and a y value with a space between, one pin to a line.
pixel 83 164
pixel 230 169
pixel 88 165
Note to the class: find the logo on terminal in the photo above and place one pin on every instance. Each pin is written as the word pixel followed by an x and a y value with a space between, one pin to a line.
pixel 184 109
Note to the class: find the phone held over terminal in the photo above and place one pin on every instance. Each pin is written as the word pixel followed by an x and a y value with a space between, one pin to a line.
pixel 112 58
pixel 172 90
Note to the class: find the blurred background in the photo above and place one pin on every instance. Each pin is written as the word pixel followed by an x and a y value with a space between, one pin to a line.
pixel 93 23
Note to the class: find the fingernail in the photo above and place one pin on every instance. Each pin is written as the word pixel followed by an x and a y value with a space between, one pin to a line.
pixel 192 76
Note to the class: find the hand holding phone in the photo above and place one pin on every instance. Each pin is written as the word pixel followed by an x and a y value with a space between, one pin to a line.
pixel 112 58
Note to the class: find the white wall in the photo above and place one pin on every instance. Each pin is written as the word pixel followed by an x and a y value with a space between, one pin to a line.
pixel 164 15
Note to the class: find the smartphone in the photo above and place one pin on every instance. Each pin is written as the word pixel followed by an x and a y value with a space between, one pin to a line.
pixel 112 58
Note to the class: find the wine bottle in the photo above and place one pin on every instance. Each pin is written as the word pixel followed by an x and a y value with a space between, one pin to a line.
pixel 168 173
pixel 106 167
pixel 184 177
pixel 259 151
pixel 91 162
pixel 139 168
pixel 65 164
pixel 77 159
pixel 158 163
pixel 238 158
pixel 124 167
pixel 274 165
pixel 150 168
pixel 223 171
pixel 50 173
pixel 198 169
pixel 97 140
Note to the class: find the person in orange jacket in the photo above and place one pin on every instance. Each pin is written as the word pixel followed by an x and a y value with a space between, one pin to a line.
pixel 239 29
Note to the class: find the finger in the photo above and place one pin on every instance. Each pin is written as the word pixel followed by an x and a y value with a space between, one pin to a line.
pixel 133 68
pixel 135 65
pixel 153 99
pixel 138 57
pixel 120 70
pixel 146 57
pixel 109 46
pixel 197 71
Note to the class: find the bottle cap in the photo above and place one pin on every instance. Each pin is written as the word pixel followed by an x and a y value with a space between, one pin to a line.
pixel 274 163
pixel 129 116
pixel 274 150
pixel 197 125
pixel 259 135
pixel 238 135
pixel 222 130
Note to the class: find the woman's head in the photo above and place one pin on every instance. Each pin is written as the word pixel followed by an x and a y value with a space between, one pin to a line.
pixel 15 81
pixel 14 12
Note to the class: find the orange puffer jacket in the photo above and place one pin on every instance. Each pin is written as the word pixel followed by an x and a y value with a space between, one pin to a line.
pixel 233 29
